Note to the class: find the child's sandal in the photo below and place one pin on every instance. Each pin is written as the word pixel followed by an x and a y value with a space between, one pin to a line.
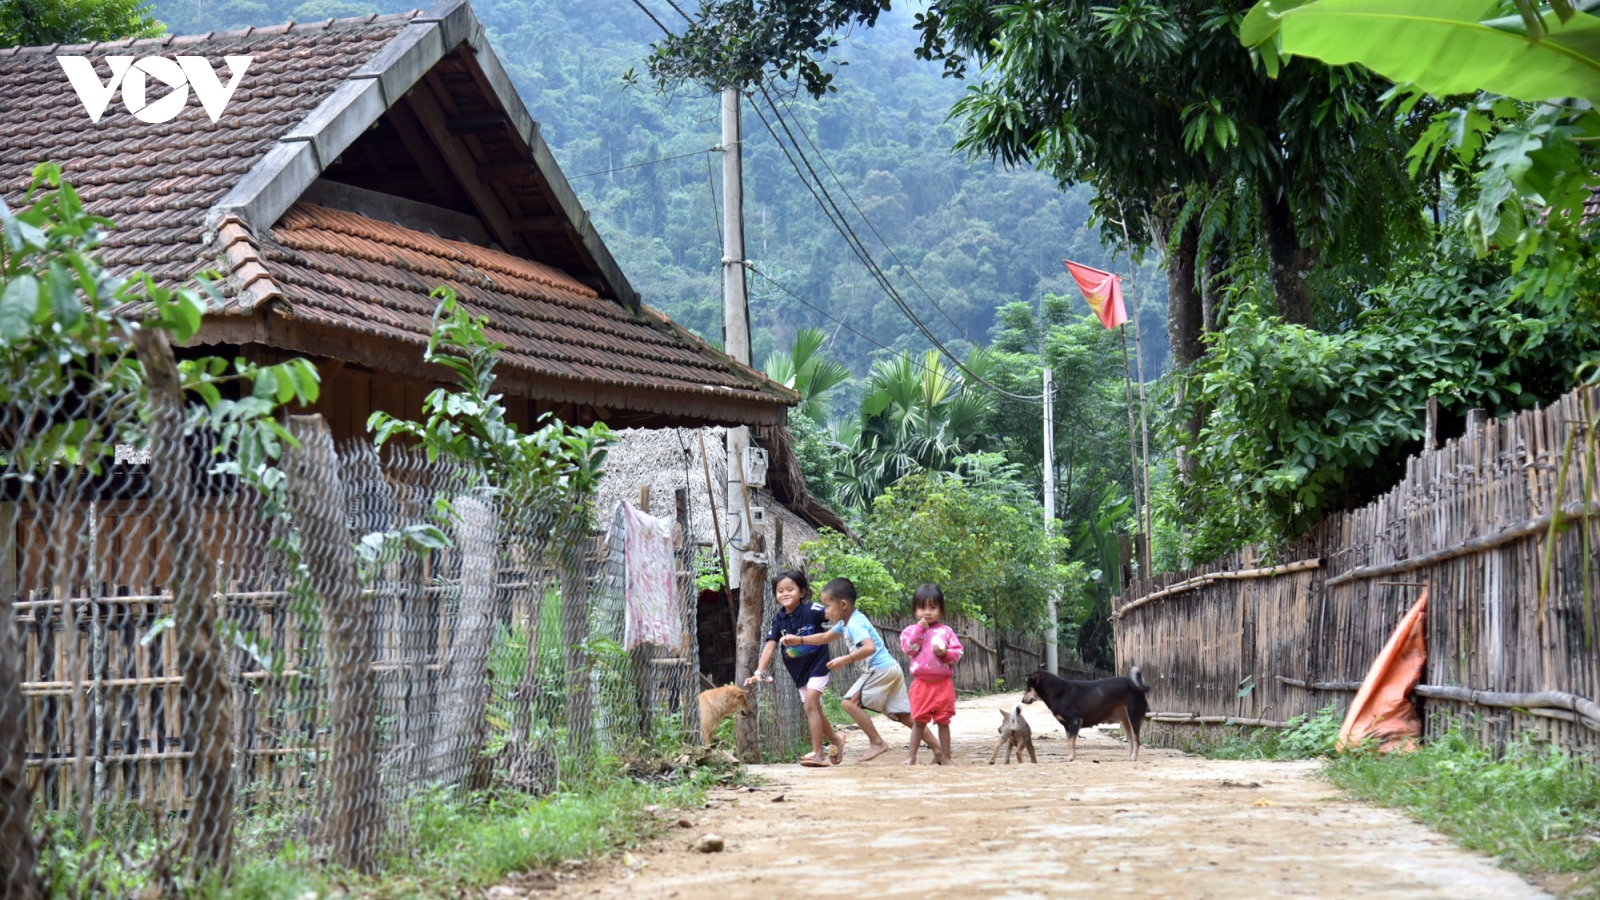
pixel 836 752
pixel 810 761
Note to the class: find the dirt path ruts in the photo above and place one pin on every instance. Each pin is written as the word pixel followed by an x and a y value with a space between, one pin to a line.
pixel 1169 825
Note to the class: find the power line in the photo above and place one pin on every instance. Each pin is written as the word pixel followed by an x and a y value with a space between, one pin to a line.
pixel 648 162
pixel 857 207
pixel 646 11
pixel 836 217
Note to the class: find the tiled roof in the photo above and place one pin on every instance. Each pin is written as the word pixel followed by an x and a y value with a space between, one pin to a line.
pixel 340 269
pixel 157 181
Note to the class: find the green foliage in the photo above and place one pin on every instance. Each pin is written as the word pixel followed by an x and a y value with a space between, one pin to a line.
pixel 916 416
pixel 1305 737
pixel 67 334
pixel 708 574
pixel 40 23
pixel 1525 172
pixel 1298 423
pixel 979 534
pixel 1444 47
pixel 1533 808
pixel 804 368
pixel 738 43
pixel 555 467
pixel 833 555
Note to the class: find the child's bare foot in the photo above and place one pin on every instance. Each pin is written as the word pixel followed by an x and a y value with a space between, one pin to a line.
pixel 836 754
pixel 908 762
pixel 874 751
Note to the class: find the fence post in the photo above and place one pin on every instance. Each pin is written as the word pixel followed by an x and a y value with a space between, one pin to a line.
pixel 573 576
pixel 460 733
pixel 352 816
pixel 19 858
pixel 208 710
pixel 747 642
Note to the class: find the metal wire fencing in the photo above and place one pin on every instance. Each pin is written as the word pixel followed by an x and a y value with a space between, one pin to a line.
pixel 197 666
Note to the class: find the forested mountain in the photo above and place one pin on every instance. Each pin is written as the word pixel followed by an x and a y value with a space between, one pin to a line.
pixel 973 236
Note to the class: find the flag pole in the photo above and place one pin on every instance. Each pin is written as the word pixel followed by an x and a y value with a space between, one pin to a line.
pixel 1144 426
pixel 1133 440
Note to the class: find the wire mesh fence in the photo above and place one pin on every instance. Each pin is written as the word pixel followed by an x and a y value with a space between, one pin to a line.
pixel 197 664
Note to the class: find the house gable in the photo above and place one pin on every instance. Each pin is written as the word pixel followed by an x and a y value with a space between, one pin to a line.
pixel 433 119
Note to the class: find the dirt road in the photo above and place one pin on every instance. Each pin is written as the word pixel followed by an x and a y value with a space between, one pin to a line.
pixel 1169 825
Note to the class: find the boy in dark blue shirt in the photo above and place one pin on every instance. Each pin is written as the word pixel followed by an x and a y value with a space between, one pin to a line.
pixel 807 663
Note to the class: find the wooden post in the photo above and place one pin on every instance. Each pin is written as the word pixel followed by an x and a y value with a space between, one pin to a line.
pixel 573 577
pixel 19 857
pixel 208 702
pixel 1430 437
pixel 747 649
pixel 352 815
pixel 460 734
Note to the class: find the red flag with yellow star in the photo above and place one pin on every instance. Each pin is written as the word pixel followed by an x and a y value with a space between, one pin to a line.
pixel 1102 290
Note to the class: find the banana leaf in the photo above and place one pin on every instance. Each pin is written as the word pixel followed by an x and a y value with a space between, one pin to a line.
pixel 1443 47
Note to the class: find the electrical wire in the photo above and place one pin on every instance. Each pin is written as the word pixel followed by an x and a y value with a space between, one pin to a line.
pixel 821 157
pixel 648 162
pixel 836 217
pixel 646 11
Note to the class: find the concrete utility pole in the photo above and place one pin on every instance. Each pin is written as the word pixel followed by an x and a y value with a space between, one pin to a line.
pixel 1050 660
pixel 735 312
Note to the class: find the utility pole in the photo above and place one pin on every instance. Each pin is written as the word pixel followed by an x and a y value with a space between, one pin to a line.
pixel 735 312
pixel 1050 660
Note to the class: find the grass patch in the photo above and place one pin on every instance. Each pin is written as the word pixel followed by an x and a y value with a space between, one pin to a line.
pixel 459 844
pixel 1534 808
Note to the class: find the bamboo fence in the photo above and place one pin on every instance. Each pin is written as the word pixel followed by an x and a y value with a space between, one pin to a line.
pixel 1499 525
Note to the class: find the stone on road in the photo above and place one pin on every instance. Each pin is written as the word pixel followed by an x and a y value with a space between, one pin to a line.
pixel 1169 825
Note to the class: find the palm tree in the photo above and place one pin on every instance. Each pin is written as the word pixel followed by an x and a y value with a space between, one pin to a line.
pixel 915 417
pixel 803 368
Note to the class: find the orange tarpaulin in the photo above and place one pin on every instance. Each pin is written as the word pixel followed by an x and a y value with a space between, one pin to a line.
pixel 1382 708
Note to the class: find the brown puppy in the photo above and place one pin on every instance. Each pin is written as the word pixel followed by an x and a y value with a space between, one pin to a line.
pixel 1014 735
pixel 718 704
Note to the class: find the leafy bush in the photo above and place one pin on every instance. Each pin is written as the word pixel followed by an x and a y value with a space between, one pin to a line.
pixel 979 534
pixel 1298 423
pixel 832 555
pixel 1305 737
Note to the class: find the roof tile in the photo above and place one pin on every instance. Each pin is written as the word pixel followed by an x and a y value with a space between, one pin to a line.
pixel 341 269
pixel 125 168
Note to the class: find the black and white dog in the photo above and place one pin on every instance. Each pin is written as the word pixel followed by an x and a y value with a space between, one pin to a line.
pixel 1077 704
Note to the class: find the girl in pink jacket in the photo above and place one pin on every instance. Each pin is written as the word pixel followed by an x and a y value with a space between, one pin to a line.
pixel 933 649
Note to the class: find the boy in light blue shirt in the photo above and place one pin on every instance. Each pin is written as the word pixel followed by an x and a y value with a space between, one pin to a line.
pixel 883 688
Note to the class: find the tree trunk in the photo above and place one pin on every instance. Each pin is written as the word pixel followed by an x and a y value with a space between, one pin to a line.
pixel 460 734
pixel 747 649
pixel 1287 261
pixel 1185 325
pixel 19 857
pixel 353 813
pixel 208 701
pixel 1185 309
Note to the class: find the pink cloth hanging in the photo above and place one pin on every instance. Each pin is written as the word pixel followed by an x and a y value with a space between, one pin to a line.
pixel 652 608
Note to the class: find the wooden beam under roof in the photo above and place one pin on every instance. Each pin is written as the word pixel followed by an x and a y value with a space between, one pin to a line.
pixel 461 163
